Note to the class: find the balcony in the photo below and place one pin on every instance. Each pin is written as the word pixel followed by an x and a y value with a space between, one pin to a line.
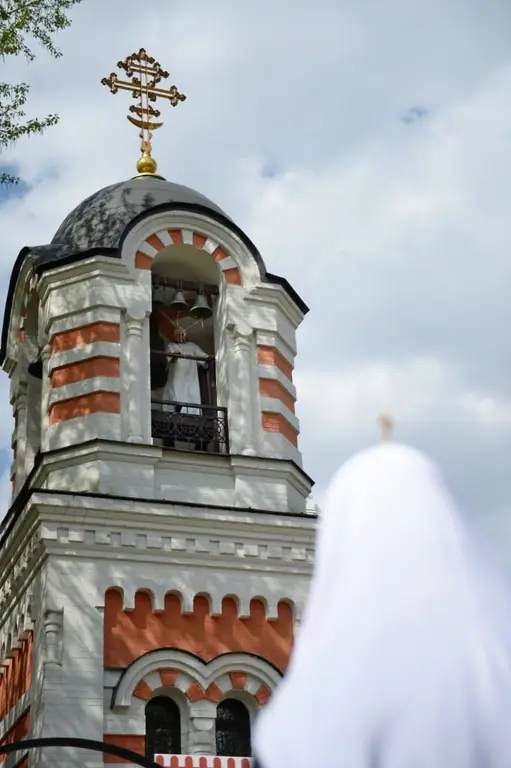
pixel 202 761
pixel 190 426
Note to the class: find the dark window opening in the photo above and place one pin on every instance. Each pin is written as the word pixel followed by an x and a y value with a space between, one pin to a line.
pixel 162 727
pixel 233 729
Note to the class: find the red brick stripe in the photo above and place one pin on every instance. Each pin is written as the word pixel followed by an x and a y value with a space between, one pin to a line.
pixel 75 407
pixel 275 422
pixel 85 369
pixel 87 334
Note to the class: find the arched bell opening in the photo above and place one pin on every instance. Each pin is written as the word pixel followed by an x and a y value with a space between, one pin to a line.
pixel 185 290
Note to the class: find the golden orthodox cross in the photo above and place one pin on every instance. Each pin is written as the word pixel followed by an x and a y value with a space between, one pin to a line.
pixel 145 73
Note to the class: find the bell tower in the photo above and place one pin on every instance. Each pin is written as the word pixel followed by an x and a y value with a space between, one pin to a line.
pixel 156 554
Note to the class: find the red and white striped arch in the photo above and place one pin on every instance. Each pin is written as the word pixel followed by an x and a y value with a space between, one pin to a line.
pixel 196 679
pixel 163 238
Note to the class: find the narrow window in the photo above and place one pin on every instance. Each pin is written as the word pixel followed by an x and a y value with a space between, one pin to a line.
pixel 162 727
pixel 232 729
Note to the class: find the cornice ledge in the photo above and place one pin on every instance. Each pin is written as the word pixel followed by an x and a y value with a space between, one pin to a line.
pixel 99 450
pixel 53 501
pixel 286 469
pixel 276 294
pixel 77 271
pixel 282 565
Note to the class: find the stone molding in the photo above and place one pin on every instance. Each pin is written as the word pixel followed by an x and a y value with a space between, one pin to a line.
pixel 215 234
pixel 255 672
pixel 196 686
pixel 104 529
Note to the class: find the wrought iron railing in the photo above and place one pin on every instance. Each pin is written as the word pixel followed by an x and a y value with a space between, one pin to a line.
pixel 191 426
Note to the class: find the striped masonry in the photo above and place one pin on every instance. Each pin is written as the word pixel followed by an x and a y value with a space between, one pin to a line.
pixel 166 237
pixel 272 388
pixel 80 384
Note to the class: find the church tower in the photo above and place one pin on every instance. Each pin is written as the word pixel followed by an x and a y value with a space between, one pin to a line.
pixel 156 554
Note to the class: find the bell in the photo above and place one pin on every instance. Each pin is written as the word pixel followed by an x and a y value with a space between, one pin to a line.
pixel 201 309
pixel 178 303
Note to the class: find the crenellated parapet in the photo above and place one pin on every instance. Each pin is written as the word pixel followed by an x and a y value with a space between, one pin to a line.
pixel 130 633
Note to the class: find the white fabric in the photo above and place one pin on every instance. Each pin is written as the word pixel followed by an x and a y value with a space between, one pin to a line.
pixel 403 659
pixel 183 375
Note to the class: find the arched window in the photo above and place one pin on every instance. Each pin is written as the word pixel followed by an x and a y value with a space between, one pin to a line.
pixel 162 727
pixel 233 729
pixel 185 414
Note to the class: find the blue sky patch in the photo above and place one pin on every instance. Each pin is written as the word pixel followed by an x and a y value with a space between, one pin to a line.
pixel 9 191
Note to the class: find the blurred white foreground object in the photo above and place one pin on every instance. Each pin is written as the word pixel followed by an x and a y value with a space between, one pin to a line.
pixel 404 654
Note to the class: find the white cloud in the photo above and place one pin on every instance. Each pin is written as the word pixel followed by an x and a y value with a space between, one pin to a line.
pixel 396 235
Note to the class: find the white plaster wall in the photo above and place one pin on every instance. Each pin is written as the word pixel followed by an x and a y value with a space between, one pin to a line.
pixel 69 691
pixel 151 473
pixel 110 546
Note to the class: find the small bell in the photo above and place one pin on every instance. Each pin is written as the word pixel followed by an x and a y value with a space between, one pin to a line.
pixel 201 309
pixel 178 303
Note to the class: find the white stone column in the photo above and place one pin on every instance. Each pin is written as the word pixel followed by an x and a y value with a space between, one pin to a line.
pixel 53 624
pixel 135 370
pixel 244 416
pixel 45 397
pixel 202 728
pixel 21 416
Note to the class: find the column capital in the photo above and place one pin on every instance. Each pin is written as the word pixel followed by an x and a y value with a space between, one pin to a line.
pixel 136 312
pixel 242 335
pixel 240 330
pixel 134 326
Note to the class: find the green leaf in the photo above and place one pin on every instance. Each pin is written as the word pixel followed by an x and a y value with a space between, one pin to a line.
pixel 23 22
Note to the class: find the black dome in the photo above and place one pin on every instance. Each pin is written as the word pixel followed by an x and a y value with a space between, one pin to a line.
pixel 98 225
pixel 101 219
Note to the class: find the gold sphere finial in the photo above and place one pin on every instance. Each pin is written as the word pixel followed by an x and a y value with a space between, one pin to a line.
pixel 146 163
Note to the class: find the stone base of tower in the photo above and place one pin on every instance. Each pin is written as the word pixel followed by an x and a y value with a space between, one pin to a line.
pixel 115 603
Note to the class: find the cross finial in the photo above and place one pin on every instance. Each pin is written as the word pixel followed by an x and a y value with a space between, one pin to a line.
pixel 145 73
pixel 385 427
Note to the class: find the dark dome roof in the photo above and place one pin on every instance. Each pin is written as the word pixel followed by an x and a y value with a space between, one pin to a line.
pixel 99 225
pixel 101 219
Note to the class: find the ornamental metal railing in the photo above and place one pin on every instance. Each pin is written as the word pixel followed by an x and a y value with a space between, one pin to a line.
pixel 190 426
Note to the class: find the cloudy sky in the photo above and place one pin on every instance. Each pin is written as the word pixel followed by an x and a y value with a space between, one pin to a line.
pixel 365 146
